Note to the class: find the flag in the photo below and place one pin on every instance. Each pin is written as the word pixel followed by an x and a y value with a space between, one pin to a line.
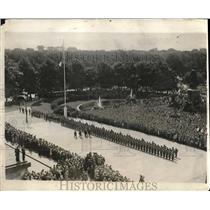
pixel 60 64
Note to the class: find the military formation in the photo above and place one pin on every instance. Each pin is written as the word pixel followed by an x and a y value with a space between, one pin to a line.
pixel 70 166
pixel 79 134
pixel 128 141
pixel 138 144
pixel 87 130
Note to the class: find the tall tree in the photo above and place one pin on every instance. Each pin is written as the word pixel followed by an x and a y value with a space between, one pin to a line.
pixel 13 77
pixel 90 77
pixel 29 80
pixel 77 75
pixel 105 75
pixel 163 78
pixel 120 74
pixel 193 78
pixel 144 72
pixel 175 63
pixel 48 77
pixel 132 80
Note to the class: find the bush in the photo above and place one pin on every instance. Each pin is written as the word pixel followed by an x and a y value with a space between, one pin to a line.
pixel 8 103
pixel 94 94
pixel 37 103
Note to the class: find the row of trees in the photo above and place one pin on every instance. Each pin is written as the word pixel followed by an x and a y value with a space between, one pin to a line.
pixel 38 70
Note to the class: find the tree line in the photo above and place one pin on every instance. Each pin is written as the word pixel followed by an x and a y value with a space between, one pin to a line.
pixel 38 71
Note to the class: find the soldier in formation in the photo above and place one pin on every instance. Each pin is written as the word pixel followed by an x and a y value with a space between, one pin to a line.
pixel 126 140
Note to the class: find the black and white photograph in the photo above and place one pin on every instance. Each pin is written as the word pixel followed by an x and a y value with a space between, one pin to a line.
pixel 114 104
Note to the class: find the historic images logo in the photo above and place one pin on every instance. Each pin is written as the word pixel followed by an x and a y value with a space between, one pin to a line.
pixel 110 186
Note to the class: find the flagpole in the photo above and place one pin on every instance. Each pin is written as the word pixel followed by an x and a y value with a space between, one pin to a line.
pixel 64 82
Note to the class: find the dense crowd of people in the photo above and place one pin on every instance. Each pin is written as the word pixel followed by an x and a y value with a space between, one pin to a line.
pixel 118 138
pixel 158 120
pixel 153 116
pixel 70 166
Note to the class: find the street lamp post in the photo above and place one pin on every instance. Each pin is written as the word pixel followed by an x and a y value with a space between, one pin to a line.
pixel 26 111
pixel 64 82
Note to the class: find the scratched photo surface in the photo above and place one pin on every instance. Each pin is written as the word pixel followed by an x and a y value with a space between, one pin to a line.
pixel 115 101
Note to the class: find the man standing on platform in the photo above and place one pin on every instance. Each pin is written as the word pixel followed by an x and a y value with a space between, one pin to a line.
pixel 23 154
pixel 17 154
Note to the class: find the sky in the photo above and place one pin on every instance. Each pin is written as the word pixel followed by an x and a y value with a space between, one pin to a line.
pixel 107 34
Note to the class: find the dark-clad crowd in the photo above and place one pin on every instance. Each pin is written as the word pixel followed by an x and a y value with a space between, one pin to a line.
pixel 126 140
pixel 70 166
pixel 153 119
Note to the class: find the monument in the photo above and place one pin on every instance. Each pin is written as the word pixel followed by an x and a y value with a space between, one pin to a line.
pixel 99 102
pixel 193 93
pixel 131 99
pixel 131 93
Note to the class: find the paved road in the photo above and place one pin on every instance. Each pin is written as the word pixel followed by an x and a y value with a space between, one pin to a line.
pixel 190 167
